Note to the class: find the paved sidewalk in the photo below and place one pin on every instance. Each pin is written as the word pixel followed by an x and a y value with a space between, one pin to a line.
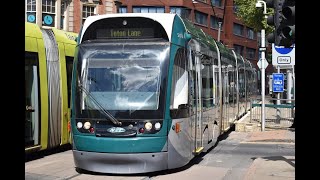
pixel 273 167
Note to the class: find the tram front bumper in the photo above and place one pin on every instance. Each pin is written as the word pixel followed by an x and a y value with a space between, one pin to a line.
pixel 120 163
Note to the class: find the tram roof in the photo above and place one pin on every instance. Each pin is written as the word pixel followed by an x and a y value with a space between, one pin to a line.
pixel 165 19
pixel 32 30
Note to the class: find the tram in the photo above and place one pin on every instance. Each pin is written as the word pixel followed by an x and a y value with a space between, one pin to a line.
pixel 49 55
pixel 150 91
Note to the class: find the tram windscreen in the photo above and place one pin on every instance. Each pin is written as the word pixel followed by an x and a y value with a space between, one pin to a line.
pixel 121 77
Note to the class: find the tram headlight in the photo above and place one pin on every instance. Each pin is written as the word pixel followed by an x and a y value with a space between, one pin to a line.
pixel 79 125
pixel 157 126
pixel 87 125
pixel 148 126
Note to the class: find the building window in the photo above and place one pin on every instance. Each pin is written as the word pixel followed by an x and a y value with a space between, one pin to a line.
pixel 235 7
pixel 214 22
pixel 48 12
pixel 250 33
pixel 238 49
pixel 63 9
pixel 31 11
pixel 259 54
pixel 201 18
pixel 250 54
pixel 183 12
pixel 202 1
pixel 216 3
pixel 123 9
pixel 86 12
pixel 259 38
pixel 148 9
pixel 237 29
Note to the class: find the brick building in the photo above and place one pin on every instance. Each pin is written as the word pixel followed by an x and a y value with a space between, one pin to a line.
pixel 65 14
pixel 205 14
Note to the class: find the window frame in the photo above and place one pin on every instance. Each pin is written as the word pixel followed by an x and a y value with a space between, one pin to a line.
pixel 85 6
pixel 211 22
pixel 241 29
pixel 137 9
pixel 201 15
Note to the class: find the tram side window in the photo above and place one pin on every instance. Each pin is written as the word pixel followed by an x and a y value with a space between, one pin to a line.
pixel 247 82
pixel 241 83
pixel 216 87
pixel 179 86
pixel 232 87
pixel 69 66
pixel 207 87
pixel 32 99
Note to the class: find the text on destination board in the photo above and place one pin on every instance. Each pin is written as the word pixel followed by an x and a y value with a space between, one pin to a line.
pixel 125 33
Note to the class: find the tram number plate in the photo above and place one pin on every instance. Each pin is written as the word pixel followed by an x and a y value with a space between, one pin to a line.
pixel 116 130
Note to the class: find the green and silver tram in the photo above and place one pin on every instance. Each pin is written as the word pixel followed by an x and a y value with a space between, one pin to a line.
pixel 150 91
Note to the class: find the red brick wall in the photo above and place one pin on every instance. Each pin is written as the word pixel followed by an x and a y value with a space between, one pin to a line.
pixel 77 15
pixel 102 7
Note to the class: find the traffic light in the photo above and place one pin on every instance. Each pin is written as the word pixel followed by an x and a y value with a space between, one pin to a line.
pixel 286 29
pixel 273 20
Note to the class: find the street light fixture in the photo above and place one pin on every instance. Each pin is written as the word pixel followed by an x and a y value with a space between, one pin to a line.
pixel 259 5
pixel 263 66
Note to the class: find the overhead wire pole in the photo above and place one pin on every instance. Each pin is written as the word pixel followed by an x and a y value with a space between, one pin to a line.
pixel 263 58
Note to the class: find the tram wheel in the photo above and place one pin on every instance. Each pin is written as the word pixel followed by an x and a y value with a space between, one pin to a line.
pixel 80 171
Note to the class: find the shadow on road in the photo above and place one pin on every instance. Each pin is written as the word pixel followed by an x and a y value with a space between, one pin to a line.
pixel 281 158
pixel 41 154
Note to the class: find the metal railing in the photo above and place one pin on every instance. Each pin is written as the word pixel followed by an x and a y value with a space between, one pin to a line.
pixel 276 115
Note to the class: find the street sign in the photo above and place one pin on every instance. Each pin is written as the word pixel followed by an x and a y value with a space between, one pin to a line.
pixel 265 63
pixel 282 56
pixel 277 82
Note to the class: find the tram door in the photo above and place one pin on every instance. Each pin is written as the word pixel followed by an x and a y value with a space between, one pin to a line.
pixel 31 100
pixel 196 122
pixel 232 93
pixel 225 98
pixel 216 100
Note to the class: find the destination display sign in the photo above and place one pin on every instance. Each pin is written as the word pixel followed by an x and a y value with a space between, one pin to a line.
pixel 124 33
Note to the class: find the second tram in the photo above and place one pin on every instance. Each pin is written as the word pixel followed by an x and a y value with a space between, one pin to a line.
pixel 49 55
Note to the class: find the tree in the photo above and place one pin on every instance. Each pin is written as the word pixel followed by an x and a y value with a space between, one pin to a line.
pixel 252 16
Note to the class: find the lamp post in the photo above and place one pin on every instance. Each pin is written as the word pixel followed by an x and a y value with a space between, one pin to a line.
pixel 219 32
pixel 263 57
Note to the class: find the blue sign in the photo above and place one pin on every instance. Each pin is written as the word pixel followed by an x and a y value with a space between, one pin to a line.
pixel 283 50
pixel 282 56
pixel 277 82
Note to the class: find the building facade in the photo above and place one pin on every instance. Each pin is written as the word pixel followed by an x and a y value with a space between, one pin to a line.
pixel 206 14
pixel 69 15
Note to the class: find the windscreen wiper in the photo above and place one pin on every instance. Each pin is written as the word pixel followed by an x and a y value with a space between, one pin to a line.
pixel 105 112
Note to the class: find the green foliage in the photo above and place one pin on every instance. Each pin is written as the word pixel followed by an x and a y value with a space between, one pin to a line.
pixel 269 58
pixel 251 15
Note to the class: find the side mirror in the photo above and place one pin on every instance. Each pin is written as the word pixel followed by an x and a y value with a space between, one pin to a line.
pixel 181 112
pixel 183 106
